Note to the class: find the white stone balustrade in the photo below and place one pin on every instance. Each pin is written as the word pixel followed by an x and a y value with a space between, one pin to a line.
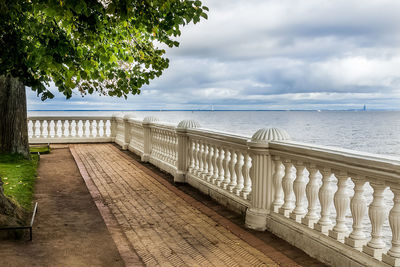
pixel 70 129
pixel 302 193
pixel 364 242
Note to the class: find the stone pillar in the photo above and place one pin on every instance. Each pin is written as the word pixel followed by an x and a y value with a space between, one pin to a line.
pixel 127 131
pixel 261 174
pixel 183 149
pixel 113 127
pixel 147 137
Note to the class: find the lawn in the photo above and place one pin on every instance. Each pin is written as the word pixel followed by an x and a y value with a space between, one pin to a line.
pixel 18 176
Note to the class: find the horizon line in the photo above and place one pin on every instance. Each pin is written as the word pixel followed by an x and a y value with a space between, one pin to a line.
pixel 213 110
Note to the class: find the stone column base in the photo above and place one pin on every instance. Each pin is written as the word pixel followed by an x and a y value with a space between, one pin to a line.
pixel 145 158
pixel 179 177
pixel 256 219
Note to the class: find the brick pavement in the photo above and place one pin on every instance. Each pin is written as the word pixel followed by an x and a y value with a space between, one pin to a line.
pixel 163 227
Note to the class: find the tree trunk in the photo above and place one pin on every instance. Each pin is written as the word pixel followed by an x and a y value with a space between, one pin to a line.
pixel 13 117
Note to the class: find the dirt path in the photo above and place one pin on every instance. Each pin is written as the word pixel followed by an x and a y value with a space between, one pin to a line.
pixel 69 230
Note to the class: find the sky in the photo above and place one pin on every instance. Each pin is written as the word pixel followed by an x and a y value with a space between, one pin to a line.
pixel 273 55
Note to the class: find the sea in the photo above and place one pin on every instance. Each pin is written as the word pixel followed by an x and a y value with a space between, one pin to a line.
pixel 363 130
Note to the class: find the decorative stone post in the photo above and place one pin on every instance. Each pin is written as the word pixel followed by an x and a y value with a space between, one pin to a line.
pixel 127 131
pixel 183 148
pixel 147 137
pixel 114 124
pixel 261 174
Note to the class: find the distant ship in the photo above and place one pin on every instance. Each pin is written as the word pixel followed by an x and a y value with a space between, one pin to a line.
pixel 365 107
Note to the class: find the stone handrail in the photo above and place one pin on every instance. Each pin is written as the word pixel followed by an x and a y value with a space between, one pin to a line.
pixel 315 197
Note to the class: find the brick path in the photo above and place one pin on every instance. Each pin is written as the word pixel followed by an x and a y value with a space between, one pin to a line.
pixel 160 226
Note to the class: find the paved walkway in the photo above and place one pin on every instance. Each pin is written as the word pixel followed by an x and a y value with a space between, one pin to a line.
pixel 160 223
pixel 68 228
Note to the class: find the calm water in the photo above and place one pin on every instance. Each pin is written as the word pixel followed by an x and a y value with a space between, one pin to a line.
pixel 370 131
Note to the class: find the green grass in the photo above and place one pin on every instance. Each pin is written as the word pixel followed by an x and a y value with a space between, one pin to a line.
pixel 19 175
pixel 40 149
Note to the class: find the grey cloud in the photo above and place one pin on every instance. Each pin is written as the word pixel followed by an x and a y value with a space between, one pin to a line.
pixel 278 55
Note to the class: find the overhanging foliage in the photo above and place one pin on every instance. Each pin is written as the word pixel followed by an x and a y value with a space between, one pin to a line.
pixel 91 46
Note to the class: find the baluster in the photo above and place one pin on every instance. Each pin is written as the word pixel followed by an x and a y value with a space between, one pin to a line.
pixel 192 149
pixel 165 144
pixel 341 201
pixel 154 143
pixel 201 152
pixel 162 145
pixel 85 128
pixel 277 180
pixel 38 129
pixel 197 156
pixel 312 196
pixel 221 171
pixel 287 186
pixel 214 177
pixel 48 128
pixel 246 176
pixel 108 128
pixel 98 128
pixel 210 172
pixel 168 152
pixel 174 150
pixel 167 147
pixel 171 148
pixel 392 257
pixel 63 129
pixel 41 129
pixel 91 129
pixel 358 207
pixel 239 175
pixel 205 161
pixel 325 196
pixel 69 128
pixel 76 128
pixel 79 125
pixel 227 161
pixel 103 129
pixel 299 188
pixel 56 128
pixel 233 162
pixel 377 215
pixel 193 154
pixel 33 128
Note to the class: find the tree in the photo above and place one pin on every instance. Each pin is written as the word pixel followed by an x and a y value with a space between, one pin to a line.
pixel 88 46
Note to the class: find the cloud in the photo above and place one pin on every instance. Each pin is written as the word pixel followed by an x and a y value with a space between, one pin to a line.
pixel 275 55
